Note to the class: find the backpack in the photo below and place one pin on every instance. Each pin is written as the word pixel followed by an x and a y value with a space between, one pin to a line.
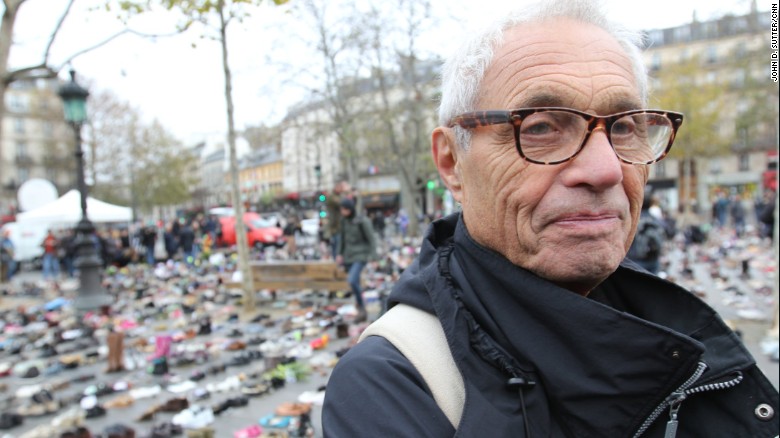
pixel 419 336
pixel 648 241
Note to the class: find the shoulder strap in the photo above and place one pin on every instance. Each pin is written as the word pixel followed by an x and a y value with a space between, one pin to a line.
pixel 419 336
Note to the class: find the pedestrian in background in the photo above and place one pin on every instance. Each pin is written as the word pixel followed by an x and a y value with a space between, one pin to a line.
pixel 171 240
pixel 720 209
pixel 342 190
pixel 148 240
pixel 737 212
pixel 649 239
pixel 187 242
pixel 290 231
pixel 51 263
pixel 766 217
pixel 357 246
pixel 7 262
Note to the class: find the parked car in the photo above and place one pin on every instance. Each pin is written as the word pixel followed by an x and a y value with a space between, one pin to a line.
pixel 260 233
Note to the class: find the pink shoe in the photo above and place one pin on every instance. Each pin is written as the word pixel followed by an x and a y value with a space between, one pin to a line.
pixel 253 431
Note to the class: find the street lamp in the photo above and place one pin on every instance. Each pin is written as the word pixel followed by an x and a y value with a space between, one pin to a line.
pixel 91 294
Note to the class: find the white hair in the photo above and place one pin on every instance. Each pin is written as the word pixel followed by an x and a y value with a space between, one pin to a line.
pixel 462 73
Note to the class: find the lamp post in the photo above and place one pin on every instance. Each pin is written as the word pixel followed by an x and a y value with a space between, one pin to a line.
pixel 91 294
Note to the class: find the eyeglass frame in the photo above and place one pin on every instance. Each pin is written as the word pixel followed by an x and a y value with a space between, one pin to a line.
pixel 477 119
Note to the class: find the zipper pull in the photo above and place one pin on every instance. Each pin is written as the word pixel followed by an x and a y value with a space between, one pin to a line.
pixel 671 425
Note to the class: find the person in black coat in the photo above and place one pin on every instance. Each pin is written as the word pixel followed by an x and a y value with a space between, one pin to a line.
pixel 532 321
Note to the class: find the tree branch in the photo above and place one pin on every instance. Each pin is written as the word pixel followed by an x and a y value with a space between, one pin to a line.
pixel 56 30
pixel 113 37
pixel 30 72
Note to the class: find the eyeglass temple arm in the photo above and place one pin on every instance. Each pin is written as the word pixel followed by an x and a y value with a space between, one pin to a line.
pixel 480 118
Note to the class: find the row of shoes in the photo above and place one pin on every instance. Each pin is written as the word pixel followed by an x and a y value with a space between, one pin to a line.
pixel 80 431
pixel 232 402
pixel 194 417
pixel 10 420
pixel 41 403
pixel 173 405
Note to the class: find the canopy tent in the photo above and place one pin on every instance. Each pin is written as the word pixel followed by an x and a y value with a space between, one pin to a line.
pixel 67 211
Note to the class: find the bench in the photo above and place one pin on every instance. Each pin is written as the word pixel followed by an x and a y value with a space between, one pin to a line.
pixel 298 275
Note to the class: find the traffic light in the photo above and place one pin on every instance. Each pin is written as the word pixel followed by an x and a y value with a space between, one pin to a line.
pixel 322 197
pixel 431 184
pixel 323 213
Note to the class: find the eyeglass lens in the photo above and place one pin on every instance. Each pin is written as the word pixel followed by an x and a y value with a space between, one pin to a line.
pixel 551 136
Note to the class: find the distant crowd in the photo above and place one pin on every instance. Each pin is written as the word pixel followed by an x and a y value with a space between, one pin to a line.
pixel 186 240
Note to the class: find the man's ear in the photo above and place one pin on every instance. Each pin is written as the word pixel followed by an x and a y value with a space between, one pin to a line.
pixel 445 155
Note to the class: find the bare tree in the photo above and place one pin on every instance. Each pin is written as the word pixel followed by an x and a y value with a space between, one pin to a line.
pixel 406 107
pixel 45 68
pixel 224 12
pixel 375 85
pixel 684 87
pixel 339 62
pixel 134 162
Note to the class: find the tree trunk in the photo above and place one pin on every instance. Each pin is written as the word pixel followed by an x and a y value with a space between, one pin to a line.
pixel 6 40
pixel 238 206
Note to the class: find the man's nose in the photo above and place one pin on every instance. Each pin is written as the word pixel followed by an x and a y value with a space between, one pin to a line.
pixel 596 165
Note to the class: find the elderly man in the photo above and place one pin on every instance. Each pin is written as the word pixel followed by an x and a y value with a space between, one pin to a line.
pixel 544 328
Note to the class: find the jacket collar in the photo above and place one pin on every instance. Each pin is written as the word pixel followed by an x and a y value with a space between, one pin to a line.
pixel 613 355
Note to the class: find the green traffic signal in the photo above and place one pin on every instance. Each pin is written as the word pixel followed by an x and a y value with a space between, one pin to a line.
pixel 323 213
pixel 322 197
pixel 431 184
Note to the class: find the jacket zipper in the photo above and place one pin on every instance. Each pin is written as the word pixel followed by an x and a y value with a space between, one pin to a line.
pixel 671 425
pixel 675 399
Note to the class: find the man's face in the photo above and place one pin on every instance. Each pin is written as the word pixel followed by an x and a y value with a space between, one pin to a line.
pixel 571 223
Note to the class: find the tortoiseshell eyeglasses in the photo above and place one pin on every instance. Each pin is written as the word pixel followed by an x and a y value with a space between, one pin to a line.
pixel 554 135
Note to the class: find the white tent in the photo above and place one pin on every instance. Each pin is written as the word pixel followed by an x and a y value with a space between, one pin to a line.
pixel 67 211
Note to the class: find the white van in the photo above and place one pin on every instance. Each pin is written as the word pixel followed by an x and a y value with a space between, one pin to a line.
pixel 27 239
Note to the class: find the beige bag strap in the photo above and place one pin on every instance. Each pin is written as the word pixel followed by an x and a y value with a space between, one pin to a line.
pixel 419 336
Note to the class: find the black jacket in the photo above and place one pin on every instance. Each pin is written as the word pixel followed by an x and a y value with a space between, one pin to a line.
pixel 606 365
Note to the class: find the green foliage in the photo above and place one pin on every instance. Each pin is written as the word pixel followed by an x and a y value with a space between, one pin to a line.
pixel 685 87
pixel 135 163
pixel 295 370
pixel 162 178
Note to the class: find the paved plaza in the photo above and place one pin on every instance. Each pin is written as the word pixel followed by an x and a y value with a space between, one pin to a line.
pixel 735 276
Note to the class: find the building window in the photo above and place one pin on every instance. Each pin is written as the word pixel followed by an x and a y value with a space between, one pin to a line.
pixel 655 63
pixel 21 149
pixel 715 166
pixel 19 126
pixel 16 103
pixel 744 162
pixel 682 34
pixel 656 38
pixel 712 54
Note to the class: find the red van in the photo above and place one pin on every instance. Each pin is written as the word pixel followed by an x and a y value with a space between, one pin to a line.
pixel 260 233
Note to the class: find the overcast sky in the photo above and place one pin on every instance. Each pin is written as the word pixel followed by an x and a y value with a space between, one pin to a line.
pixel 179 80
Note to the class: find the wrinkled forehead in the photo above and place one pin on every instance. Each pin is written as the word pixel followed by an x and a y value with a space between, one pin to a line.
pixel 560 62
